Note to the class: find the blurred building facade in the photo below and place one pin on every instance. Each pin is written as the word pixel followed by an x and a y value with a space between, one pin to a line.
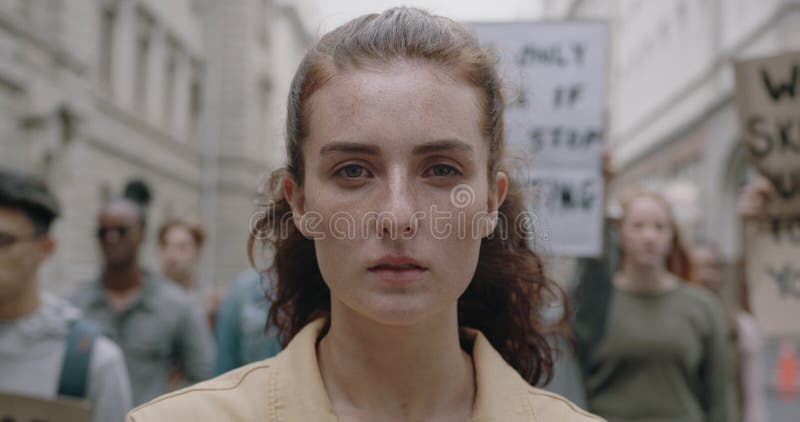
pixel 186 95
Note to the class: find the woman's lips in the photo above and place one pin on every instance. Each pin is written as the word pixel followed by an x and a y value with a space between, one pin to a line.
pixel 398 274
pixel 398 269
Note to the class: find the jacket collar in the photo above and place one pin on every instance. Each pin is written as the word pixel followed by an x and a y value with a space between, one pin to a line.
pixel 500 394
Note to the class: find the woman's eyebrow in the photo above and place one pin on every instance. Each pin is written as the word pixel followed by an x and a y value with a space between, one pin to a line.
pixel 349 147
pixel 442 146
pixel 427 148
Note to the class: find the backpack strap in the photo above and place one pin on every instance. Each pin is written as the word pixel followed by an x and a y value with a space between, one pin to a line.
pixel 74 377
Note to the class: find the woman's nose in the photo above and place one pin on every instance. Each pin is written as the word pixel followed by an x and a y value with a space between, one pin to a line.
pixel 399 205
pixel 651 233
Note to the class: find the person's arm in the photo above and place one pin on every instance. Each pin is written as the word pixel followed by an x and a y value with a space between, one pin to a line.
pixel 591 296
pixel 227 332
pixel 195 352
pixel 109 386
pixel 719 392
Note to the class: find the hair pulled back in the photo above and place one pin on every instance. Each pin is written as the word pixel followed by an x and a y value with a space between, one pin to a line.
pixel 509 289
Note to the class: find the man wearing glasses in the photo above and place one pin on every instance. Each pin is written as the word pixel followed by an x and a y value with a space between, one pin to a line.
pixel 155 323
pixel 46 350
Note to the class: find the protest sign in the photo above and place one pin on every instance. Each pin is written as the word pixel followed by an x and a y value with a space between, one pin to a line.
pixel 19 408
pixel 773 274
pixel 768 101
pixel 555 75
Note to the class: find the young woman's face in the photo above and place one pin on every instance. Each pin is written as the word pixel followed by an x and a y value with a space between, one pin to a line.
pixel 396 191
pixel 646 232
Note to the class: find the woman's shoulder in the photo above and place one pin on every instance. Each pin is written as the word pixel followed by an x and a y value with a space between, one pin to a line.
pixel 503 395
pixel 699 297
pixel 548 406
pixel 239 394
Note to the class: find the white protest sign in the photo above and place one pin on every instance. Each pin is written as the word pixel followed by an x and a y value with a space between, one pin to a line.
pixel 556 80
pixel 768 101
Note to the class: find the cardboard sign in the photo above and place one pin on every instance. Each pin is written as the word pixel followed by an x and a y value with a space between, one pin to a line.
pixel 18 408
pixel 555 75
pixel 773 274
pixel 768 100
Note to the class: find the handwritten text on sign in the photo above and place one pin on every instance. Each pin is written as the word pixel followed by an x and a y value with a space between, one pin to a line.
pixel 768 99
pixel 773 274
pixel 555 77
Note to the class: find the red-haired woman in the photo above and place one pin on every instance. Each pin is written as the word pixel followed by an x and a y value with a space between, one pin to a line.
pixel 653 347
pixel 402 285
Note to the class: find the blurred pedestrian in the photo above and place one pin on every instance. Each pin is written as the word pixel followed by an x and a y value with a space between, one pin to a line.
pixel 745 343
pixel 180 242
pixel 46 349
pixel 652 346
pixel 394 112
pixel 180 245
pixel 155 322
pixel 138 191
pixel 241 329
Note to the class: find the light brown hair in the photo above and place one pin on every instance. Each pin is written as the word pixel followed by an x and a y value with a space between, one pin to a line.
pixel 193 226
pixel 509 290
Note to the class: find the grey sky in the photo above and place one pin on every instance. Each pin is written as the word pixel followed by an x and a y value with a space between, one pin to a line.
pixel 331 13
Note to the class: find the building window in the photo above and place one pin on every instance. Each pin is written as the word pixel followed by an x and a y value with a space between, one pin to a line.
pixel 108 19
pixel 169 83
pixel 143 40
pixel 263 23
pixel 264 97
pixel 195 105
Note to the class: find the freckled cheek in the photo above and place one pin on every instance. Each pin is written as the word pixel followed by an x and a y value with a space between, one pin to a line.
pixel 339 225
pixel 457 238
pixel 441 213
pixel 324 209
pixel 453 223
pixel 340 267
pixel 456 262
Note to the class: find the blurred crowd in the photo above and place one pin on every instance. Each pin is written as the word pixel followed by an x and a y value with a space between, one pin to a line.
pixel 131 333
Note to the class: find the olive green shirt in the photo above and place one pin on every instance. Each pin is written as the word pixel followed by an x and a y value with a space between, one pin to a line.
pixel 662 358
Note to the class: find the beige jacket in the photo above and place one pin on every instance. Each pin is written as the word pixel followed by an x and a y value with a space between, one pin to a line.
pixel 288 387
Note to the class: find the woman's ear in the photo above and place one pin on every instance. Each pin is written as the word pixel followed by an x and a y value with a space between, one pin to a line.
pixel 499 191
pixel 47 245
pixel 497 194
pixel 293 193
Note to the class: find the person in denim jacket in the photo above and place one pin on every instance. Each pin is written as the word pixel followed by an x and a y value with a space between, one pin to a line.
pixel 242 323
